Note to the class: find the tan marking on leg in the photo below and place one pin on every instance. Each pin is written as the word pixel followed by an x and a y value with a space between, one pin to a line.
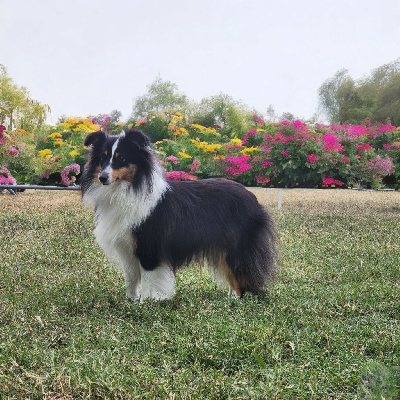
pixel 229 276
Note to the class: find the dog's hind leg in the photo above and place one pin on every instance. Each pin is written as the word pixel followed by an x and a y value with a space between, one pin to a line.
pixel 224 276
pixel 158 284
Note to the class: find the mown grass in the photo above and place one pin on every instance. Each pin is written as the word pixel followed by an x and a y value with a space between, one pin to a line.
pixel 67 331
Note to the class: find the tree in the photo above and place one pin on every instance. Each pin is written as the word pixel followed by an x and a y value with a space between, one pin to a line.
pixel 161 95
pixel 271 114
pixel 388 102
pixel 377 97
pixel 288 116
pixel 386 82
pixel 333 94
pixel 223 111
pixel 17 108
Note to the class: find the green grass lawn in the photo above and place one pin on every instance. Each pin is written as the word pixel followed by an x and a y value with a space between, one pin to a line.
pixel 331 317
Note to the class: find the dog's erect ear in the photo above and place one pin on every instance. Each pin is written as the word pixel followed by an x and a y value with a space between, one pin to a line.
pixel 138 137
pixel 94 137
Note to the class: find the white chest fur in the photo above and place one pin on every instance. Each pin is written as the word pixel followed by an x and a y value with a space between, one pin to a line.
pixel 118 210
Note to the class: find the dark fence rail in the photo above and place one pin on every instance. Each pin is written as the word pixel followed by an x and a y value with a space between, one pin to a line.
pixel 13 188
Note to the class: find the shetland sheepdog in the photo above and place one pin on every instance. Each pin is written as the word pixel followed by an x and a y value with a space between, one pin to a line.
pixel 150 226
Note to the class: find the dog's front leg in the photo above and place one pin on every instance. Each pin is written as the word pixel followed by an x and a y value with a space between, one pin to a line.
pixel 132 279
pixel 158 284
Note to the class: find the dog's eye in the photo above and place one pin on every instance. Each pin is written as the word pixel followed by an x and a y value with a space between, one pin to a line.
pixel 121 159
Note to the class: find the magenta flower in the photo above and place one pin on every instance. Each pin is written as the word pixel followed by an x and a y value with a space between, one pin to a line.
pixel 356 130
pixel 363 147
pixel 173 159
pixel 262 179
pixel 238 169
pixel 382 166
pixel 247 135
pixel 345 159
pixel 240 164
pixel 300 126
pixel 194 166
pixel 238 160
pixel 312 158
pixel 282 123
pixel 329 138
pixel 266 163
pixel 385 128
pixel 46 174
pixel 284 139
pixel 333 147
pixel 179 176
pixel 12 151
pixel 328 181
pixel 285 152
pixel 258 120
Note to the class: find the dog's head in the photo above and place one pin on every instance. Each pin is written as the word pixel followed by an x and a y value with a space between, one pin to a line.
pixel 127 157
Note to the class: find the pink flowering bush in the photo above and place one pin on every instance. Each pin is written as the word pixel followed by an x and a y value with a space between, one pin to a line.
pixel 296 154
pixel 69 173
pixel 42 157
pixel 5 177
pixel 17 156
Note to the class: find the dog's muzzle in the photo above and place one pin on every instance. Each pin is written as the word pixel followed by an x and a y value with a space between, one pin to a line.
pixel 104 178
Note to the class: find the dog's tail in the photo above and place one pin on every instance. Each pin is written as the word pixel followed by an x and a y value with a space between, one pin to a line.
pixel 255 259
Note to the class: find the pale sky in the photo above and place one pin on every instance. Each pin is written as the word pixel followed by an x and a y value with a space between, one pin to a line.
pixel 86 57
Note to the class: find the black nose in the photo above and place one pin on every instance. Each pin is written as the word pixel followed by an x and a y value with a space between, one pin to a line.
pixel 103 178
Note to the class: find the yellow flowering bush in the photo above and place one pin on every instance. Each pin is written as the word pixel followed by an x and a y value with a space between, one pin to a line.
pixel 180 131
pixel 184 155
pixel 248 150
pixel 236 141
pixel 78 125
pixel 63 146
pixel 204 129
pixel 207 147
pixel 44 152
